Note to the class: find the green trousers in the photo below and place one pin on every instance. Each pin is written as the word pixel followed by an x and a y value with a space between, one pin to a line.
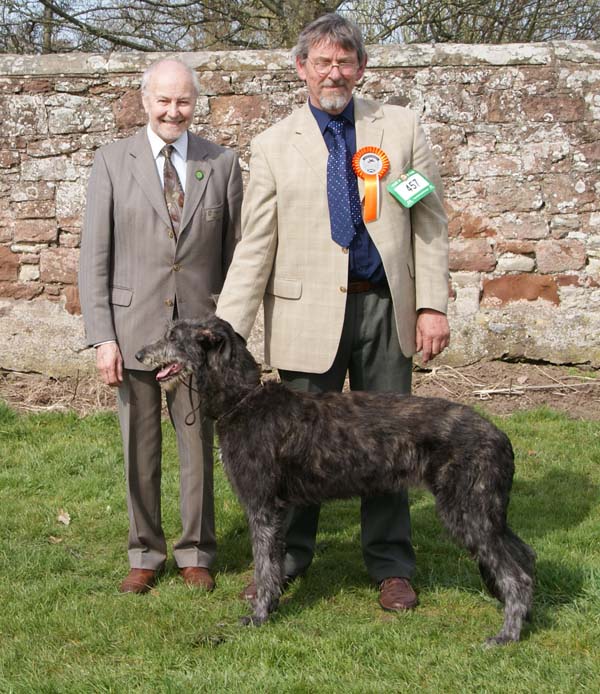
pixel 370 354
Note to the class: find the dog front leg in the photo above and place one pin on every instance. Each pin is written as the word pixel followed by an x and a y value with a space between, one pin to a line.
pixel 266 529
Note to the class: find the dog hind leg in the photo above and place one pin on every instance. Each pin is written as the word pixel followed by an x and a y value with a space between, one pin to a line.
pixel 266 529
pixel 507 564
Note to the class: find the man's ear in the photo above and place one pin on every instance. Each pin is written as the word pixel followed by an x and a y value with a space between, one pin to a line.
pixel 361 69
pixel 301 68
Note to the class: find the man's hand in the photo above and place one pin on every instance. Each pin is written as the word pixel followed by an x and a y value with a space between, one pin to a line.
pixel 433 333
pixel 110 363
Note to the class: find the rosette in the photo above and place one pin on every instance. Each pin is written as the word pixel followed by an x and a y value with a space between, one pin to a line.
pixel 371 164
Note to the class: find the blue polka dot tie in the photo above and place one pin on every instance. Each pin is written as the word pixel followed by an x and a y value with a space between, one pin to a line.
pixel 342 190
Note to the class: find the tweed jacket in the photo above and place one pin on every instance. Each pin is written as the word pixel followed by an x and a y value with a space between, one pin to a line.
pixel 287 258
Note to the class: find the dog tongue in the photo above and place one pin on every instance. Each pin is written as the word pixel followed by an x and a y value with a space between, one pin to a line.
pixel 168 371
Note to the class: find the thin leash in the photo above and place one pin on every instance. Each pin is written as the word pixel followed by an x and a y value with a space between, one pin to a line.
pixel 191 416
pixel 239 402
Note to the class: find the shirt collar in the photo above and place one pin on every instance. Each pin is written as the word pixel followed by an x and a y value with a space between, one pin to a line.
pixel 156 143
pixel 323 117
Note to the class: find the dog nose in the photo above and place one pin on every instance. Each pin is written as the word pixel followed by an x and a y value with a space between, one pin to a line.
pixel 140 355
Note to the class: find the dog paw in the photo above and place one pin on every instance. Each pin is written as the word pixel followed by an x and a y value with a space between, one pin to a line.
pixel 252 621
pixel 499 640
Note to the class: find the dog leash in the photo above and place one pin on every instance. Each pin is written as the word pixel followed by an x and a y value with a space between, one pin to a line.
pixel 191 416
pixel 239 402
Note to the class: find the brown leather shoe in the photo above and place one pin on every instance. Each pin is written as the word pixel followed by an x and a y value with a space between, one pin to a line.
pixel 138 581
pixel 396 594
pixel 198 577
pixel 249 592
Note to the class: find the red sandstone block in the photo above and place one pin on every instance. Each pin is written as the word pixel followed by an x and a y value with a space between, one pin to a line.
pixel 528 287
pixel 35 231
pixel 474 255
pixel 558 255
pixel 9 264
pixel 59 265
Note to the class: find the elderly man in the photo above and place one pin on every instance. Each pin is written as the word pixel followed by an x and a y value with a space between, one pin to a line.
pixel 161 224
pixel 349 286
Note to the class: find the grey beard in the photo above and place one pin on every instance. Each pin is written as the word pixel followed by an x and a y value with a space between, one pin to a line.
pixel 333 103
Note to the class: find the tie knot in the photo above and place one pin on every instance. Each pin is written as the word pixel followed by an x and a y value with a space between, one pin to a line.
pixel 166 151
pixel 336 126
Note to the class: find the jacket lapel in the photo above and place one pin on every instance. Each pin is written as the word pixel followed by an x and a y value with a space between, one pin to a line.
pixel 144 171
pixel 199 170
pixel 309 142
pixel 369 133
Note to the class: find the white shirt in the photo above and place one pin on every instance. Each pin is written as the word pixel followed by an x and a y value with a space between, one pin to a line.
pixel 178 157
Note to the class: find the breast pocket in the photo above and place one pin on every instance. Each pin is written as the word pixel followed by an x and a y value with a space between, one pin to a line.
pixel 213 214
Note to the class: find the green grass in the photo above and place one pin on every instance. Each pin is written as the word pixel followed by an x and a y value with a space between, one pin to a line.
pixel 65 628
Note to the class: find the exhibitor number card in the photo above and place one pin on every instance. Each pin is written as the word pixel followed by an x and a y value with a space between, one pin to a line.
pixel 410 188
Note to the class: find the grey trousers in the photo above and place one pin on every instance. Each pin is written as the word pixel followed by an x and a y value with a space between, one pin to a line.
pixel 139 405
pixel 370 353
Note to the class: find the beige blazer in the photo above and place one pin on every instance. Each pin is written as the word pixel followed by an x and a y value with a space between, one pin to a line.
pixel 287 256
pixel 132 269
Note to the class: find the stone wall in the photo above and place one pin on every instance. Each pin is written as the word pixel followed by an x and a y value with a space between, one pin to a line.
pixel 515 129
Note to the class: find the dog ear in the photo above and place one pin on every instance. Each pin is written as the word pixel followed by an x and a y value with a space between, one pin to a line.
pixel 206 336
pixel 216 344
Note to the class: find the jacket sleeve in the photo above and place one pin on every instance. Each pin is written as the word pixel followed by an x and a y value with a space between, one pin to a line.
pixel 252 262
pixel 429 226
pixel 95 255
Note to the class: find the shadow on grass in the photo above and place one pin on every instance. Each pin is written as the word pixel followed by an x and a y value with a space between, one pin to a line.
pixel 559 501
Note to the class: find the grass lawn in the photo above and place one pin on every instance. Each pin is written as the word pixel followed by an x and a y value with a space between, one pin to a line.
pixel 65 628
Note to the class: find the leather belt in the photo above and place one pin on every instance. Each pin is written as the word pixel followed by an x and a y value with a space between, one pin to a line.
pixel 360 286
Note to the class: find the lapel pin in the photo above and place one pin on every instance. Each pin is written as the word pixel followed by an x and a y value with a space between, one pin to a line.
pixel 199 175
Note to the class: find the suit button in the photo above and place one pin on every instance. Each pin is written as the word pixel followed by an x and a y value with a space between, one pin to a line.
pixel 168 302
pixel 344 250
pixel 176 267
pixel 343 290
pixel 171 234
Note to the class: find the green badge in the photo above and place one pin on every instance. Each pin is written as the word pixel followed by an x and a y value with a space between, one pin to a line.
pixel 199 175
pixel 410 188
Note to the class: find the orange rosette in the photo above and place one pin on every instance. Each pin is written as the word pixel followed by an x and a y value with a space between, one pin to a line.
pixel 371 164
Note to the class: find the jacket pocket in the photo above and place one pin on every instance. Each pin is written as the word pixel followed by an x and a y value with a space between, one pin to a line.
pixel 121 296
pixel 212 214
pixel 285 288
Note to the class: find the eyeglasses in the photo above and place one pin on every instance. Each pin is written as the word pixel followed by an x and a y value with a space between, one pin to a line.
pixel 324 67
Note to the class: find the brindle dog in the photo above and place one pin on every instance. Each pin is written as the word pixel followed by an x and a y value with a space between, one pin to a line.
pixel 282 448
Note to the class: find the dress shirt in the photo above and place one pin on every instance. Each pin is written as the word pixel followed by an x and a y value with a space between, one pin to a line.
pixel 178 157
pixel 365 261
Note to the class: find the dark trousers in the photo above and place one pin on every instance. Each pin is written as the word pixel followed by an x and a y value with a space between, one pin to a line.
pixel 369 352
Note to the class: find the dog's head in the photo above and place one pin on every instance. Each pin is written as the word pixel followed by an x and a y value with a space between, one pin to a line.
pixel 189 347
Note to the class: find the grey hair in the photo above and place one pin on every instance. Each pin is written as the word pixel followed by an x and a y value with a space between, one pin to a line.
pixel 149 71
pixel 332 28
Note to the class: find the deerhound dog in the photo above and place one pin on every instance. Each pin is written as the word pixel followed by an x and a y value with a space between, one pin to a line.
pixel 282 448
